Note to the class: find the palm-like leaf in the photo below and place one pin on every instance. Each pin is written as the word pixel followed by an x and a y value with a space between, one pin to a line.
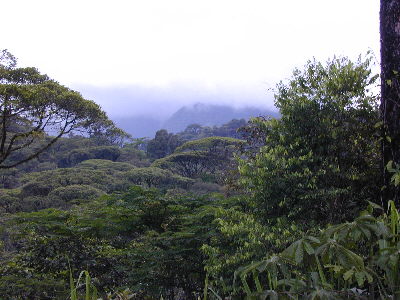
pixel 364 227
pixel 301 250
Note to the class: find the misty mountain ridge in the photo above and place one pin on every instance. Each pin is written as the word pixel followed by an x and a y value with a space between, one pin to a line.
pixel 210 115
pixel 198 113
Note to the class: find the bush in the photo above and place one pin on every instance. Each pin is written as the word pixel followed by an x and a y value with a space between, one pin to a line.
pixel 76 156
pixel 107 166
pixel 155 177
pixel 74 193
pixel 10 201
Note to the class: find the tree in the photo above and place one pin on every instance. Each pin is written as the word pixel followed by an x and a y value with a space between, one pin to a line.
pixel 320 161
pixel 390 90
pixel 141 239
pixel 163 144
pixel 35 111
pixel 81 154
pixel 155 177
pixel 210 155
pixel 230 129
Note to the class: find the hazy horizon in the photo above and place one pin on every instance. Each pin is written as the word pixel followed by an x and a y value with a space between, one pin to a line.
pixel 125 101
pixel 155 56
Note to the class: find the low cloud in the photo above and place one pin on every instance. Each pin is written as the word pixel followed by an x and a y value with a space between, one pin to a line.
pixel 162 102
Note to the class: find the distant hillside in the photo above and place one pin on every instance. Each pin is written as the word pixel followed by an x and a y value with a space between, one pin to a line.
pixel 210 115
pixel 200 113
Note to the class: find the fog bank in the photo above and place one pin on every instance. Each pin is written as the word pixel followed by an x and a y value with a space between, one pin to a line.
pixel 161 102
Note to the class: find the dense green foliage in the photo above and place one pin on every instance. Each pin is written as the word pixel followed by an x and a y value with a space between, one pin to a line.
pixel 320 160
pixel 352 260
pixel 141 239
pixel 295 216
pixel 211 156
pixel 155 177
pixel 196 131
pixel 164 143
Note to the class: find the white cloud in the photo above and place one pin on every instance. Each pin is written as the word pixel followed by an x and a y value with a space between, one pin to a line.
pixel 161 43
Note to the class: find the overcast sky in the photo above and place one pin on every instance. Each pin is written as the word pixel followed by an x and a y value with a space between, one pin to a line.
pixel 183 47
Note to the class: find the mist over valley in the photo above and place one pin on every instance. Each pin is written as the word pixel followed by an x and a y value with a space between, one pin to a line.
pixel 141 111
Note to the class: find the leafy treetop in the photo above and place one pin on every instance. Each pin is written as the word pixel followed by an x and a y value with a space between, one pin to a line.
pixel 32 104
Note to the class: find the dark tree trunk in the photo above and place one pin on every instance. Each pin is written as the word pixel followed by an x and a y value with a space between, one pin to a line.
pixel 390 90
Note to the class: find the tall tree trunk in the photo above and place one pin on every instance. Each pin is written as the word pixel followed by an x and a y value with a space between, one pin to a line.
pixel 390 90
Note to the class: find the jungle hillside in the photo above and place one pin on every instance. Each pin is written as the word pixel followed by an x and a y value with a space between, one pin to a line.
pixel 299 203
